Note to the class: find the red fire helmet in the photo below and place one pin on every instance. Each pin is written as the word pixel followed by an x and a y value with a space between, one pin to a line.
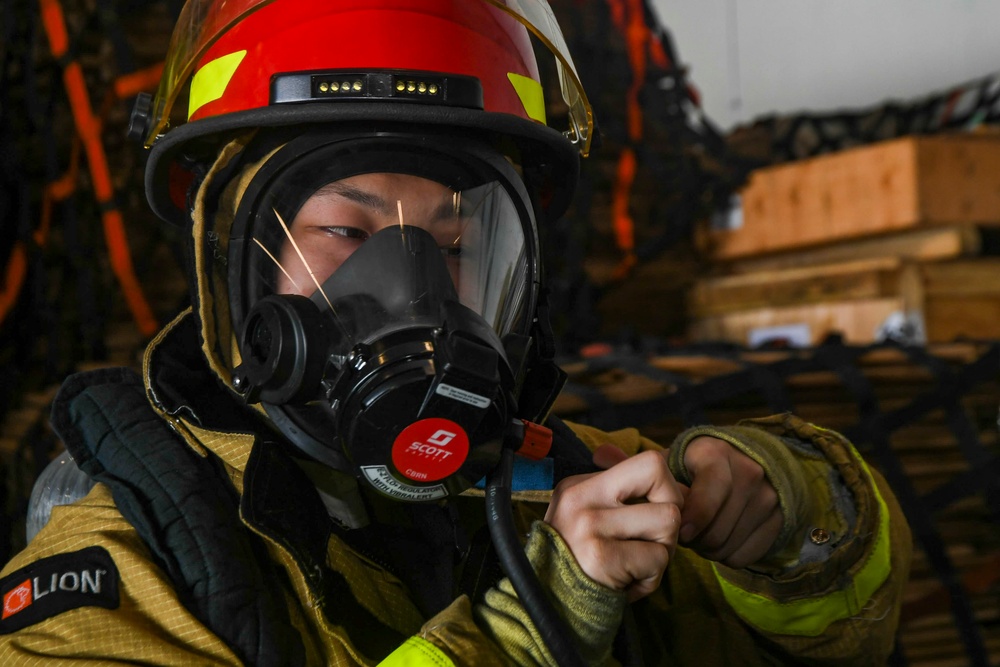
pixel 446 63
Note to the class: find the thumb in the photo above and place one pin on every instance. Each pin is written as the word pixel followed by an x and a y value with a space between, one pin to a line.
pixel 608 455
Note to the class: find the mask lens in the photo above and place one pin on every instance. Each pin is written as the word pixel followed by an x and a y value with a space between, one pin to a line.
pixel 476 232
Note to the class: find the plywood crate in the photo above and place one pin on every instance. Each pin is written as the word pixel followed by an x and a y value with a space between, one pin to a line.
pixel 907 183
pixel 940 301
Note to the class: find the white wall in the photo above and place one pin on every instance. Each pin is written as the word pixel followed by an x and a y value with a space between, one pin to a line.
pixel 764 56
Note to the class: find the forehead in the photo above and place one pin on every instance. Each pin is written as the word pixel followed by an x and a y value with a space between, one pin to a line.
pixel 385 186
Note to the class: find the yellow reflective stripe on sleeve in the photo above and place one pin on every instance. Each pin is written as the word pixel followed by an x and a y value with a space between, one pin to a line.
pixel 530 92
pixel 417 652
pixel 811 617
pixel 208 83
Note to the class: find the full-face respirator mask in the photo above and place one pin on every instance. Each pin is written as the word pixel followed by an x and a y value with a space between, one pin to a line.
pixel 383 292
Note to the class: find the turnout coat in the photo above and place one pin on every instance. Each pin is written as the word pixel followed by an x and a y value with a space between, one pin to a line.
pixel 205 541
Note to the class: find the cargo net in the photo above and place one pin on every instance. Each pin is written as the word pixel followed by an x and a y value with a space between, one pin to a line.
pixel 659 164
pixel 965 107
pixel 925 417
pixel 87 272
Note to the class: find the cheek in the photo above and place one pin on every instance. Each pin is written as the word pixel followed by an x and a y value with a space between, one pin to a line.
pixel 322 257
pixel 294 279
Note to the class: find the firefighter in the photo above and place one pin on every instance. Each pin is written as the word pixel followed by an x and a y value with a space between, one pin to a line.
pixel 315 464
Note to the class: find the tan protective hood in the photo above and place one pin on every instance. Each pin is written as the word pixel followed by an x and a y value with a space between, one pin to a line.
pixel 214 212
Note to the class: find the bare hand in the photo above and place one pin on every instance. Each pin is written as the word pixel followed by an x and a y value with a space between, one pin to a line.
pixel 732 513
pixel 621 524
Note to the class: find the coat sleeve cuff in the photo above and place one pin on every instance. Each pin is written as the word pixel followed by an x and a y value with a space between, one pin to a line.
pixel 592 611
pixel 811 616
pixel 786 595
pixel 788 470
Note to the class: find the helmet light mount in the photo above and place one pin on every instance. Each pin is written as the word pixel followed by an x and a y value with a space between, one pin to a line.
pixel 386 85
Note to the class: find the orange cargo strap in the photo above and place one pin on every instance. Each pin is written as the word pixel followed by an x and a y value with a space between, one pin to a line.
pixel 13 280
pixel 630 18
pixel 621 218
pixel 88 128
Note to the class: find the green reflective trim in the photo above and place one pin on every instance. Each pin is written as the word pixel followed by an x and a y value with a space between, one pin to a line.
pixel 417 652
pixel 809 618
pixel 210 81
pixel 530 93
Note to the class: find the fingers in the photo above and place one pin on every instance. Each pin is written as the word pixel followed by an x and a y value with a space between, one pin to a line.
pixel 651 522
pixel 732 513
pixel 744 541
pixel 711 498
pixel 625 548
pixel 758 544
pixel 618 539
pixel 644 475
pixel 647 570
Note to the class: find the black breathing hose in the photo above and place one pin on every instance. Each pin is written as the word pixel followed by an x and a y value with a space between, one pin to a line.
pixel 500 519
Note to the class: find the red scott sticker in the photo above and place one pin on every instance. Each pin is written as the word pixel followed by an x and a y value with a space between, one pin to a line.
pixel 430 449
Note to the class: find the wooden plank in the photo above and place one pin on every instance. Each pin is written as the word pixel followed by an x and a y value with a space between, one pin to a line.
pixel 960 278
pixel 753 231
pixel 876 190
pixel 858 321
pixel 865 279
pixel 933 243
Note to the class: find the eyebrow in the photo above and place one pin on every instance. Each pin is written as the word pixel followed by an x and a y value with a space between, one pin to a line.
pixel 358 196
pixel 375 202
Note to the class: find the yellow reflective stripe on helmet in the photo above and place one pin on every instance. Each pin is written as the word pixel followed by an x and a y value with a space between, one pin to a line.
pixel 811 617
pixel 530 92
pixel 416 652
pixel 208 83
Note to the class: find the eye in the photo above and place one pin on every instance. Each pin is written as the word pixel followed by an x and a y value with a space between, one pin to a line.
pixel 452 251
pixel 348 232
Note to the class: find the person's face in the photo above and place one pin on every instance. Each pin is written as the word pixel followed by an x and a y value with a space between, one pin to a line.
pixel 342 215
